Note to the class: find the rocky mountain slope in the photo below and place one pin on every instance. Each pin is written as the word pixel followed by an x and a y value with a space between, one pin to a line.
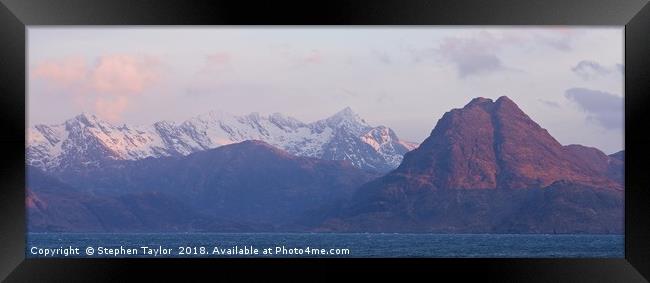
pixel 251 183
pixel 55 206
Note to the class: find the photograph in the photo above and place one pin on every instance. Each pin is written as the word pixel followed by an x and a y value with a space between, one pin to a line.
pixel 325 141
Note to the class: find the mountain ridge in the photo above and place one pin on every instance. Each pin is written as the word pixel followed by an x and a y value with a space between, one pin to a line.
pixel 86 140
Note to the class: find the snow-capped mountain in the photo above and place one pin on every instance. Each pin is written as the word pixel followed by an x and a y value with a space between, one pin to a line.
pixel 85 140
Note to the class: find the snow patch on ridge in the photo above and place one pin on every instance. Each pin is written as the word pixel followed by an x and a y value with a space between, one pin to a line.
pixel 85 139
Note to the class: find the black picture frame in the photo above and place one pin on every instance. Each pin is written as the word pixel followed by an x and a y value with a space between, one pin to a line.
pixel 16 15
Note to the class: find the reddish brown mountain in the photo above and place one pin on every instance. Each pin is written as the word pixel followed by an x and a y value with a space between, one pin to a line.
pixel 493 144
pixel 489 168
pixel 609 165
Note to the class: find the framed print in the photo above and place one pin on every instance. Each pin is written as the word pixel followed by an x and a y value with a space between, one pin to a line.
pixel 389 137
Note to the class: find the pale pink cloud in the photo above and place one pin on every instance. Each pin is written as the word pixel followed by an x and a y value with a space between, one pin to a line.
pixel 106 86
pixel 111 108
pixel 64 72
pixel 123 74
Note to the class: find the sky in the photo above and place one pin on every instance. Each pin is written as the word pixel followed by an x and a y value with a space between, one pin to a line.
pixel 568 79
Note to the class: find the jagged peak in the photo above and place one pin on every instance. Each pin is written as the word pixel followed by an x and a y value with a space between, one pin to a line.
pixel 505 102
pixel 504 99
pixel 482 100
pixel 212 115
pixel 347 114
pixel 86 116
pixel 500 104
pixel 284 119
pixel 164 123
pixel 85 119
pixel 281 116
pixel 346 111
pixel 278 115
pixel 479 101
pixel 254 115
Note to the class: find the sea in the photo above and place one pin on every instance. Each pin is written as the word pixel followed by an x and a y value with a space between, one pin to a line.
pixel 331 245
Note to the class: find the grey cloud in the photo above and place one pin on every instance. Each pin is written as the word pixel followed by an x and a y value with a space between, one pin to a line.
pixel 588 70
pixel 473 64
pixel 471 56
pixel 479 54
pixel 602 107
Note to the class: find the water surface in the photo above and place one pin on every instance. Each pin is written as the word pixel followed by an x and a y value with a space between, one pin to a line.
pixel 327 245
